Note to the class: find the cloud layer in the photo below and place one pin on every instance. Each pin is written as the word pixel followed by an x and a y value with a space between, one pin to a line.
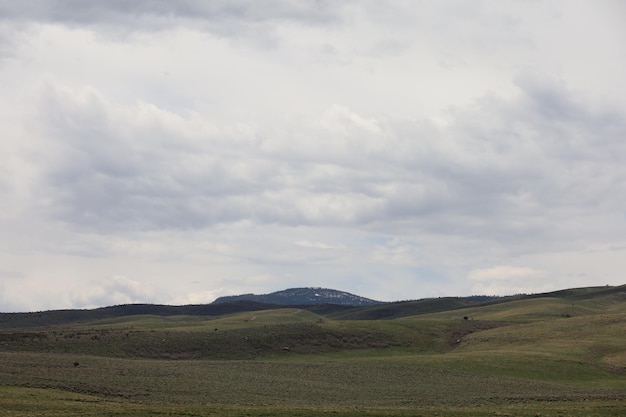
pixel 177 151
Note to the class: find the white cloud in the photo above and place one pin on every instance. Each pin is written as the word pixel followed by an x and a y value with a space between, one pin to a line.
pixel 114 290
pixel 201 297
pixel 508 280
pixel 503 273
pixel 317 245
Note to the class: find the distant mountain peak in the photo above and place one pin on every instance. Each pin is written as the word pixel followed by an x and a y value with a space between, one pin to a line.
pixel 303 296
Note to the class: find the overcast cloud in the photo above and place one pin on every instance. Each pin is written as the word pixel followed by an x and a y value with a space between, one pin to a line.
pixel 176 151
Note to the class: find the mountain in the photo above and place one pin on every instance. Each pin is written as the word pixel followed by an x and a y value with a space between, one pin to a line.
pixel 303 296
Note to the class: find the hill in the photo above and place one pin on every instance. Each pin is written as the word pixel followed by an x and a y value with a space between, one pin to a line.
pixel 557 353
pixel 59 317
pixel 303 296
pixel 330 304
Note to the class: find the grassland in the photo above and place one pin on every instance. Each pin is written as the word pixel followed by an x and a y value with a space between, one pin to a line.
pixel 563 355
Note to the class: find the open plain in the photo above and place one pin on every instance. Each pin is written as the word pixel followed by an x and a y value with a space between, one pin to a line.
pixel 557 354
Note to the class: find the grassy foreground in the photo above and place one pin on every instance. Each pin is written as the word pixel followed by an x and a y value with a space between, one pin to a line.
pixel 55 403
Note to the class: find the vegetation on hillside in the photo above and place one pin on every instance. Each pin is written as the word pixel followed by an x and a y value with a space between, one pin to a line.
pixel 562 353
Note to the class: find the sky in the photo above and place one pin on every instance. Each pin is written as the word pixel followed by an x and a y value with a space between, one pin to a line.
pixel 175 151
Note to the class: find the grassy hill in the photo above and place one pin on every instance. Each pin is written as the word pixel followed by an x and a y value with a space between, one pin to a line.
pixel 432 325
pixel 59 317
pixel 559 353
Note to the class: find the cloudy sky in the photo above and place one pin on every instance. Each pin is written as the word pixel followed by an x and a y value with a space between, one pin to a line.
pixel 172 152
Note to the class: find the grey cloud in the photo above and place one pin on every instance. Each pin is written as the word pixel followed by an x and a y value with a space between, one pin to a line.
pixel 246 22
pixel 163 14
pixel 492 173
pixel 110 172
pixel 551 99
pixel 513 173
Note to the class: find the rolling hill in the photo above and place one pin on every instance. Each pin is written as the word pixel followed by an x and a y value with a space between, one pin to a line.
pixel 304 296
pixel 333 304
pixel 557 353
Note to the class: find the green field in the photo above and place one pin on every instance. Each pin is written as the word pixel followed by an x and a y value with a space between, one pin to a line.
pixel 558 355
